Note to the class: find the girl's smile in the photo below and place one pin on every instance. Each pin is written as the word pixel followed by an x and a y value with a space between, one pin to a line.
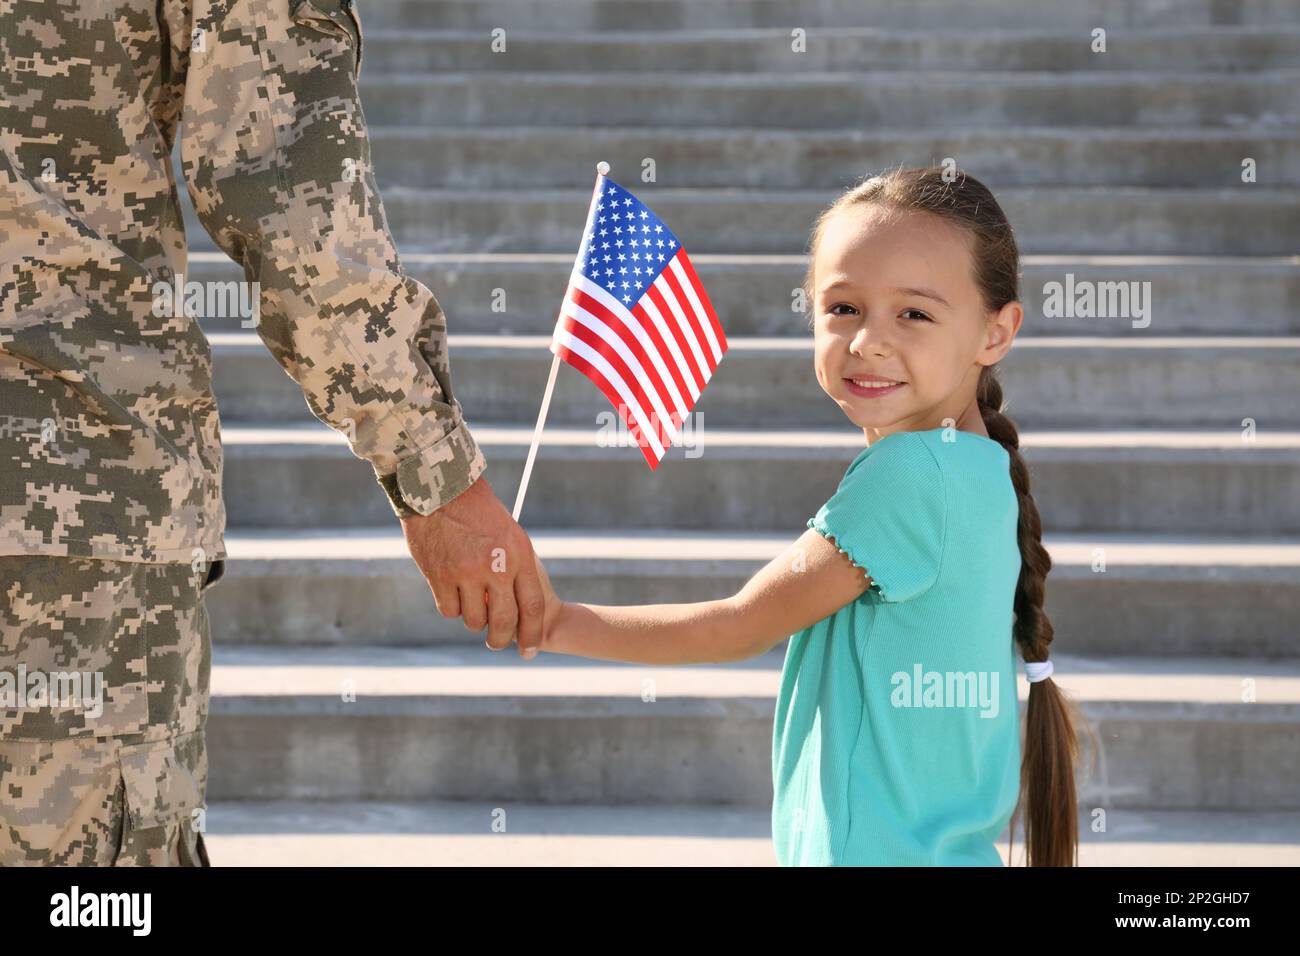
pixel 872 386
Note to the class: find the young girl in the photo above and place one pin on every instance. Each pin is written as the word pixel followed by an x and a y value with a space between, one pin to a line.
pixel 897 734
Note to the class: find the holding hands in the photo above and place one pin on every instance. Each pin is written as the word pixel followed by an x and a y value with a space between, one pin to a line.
pixel 481 567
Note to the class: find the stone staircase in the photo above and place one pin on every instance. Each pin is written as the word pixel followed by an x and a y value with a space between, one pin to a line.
pixel 1114 167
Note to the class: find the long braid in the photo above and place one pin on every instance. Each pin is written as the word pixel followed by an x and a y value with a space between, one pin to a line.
pixel 1033 629
pixel 1047 770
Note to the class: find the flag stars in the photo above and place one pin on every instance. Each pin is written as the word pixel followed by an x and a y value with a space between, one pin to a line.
pixel 626 246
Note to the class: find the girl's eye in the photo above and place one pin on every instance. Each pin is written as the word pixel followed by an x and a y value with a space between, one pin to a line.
pixel 835 310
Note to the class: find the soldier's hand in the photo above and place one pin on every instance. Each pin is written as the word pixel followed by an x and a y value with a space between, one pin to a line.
pixel 481 567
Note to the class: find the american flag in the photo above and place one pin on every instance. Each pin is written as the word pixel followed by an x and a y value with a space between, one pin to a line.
pixel 636 319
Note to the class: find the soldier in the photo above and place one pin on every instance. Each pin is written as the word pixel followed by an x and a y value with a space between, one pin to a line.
pixel 111 514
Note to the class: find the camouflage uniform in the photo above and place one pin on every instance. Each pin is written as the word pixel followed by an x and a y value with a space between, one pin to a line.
pixel 109 438
pixel 120 782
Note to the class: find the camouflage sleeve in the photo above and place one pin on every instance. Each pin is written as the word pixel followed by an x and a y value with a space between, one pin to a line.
pixel 277 159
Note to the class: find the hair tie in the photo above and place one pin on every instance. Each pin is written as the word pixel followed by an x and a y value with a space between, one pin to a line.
pixel 1038 670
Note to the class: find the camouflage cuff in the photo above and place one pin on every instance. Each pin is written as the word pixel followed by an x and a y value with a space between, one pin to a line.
pixel 429 479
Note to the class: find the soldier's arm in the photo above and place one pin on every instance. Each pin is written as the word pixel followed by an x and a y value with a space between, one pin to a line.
pixel 277 159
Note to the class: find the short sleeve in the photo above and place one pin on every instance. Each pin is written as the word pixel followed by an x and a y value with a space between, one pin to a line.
pixel 889 515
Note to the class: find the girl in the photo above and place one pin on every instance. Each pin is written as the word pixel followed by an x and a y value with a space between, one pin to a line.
pixel 897 737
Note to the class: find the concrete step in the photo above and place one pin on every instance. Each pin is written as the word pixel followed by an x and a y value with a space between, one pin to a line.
pixel 939 15
pixel 517 833
pixel 1142 482
pixel 1107 594
pixel 1189 295
pixel 468 724
pixel 1248 220
pixel 1050 383
pixel 827 49
pixel 508 157
pixel 913 98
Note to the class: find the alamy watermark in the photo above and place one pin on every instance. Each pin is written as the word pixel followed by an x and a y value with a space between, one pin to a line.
pixel 922 688
pixel 613 431
pixel 37 690
pixel 216 300
pixel 1085 299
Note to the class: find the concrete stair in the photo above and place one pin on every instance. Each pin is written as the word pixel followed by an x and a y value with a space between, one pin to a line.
pixel 1170 595
pixel 513 833
pixel 758 158
pixel 1165 455
pixel 830 49
pixel 1075 382
pixel 1191 295
pixel 1144 481
pixel 458 722
pixel 1084 220
pixel 821 101
pixel 590 16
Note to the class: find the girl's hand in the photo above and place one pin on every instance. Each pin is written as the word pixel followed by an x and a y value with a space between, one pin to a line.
pixel 554 606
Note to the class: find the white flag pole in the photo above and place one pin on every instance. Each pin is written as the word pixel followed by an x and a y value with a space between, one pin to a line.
pixel 537 437
pixel 602 170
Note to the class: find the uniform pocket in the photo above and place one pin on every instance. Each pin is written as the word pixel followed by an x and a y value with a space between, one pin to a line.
pixel 165 780
pixel 163 795
pixel 73 648
pixel 338 18
pixel 67 400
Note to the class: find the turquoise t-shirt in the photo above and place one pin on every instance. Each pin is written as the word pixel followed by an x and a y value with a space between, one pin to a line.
pixel 897 732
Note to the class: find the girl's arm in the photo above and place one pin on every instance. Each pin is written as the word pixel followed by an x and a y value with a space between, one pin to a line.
pixel 806 582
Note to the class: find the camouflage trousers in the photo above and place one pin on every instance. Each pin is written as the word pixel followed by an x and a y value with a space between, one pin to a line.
pixel 104 686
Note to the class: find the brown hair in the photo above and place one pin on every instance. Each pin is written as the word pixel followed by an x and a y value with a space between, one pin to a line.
pixel 1050 743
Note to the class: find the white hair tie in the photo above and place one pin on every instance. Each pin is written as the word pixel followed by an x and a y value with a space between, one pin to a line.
pixel 1038 670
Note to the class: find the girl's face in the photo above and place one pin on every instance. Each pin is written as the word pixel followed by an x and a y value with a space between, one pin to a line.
pixel 895 299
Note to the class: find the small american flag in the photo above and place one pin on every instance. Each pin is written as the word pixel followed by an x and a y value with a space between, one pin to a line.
pixel 636 319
